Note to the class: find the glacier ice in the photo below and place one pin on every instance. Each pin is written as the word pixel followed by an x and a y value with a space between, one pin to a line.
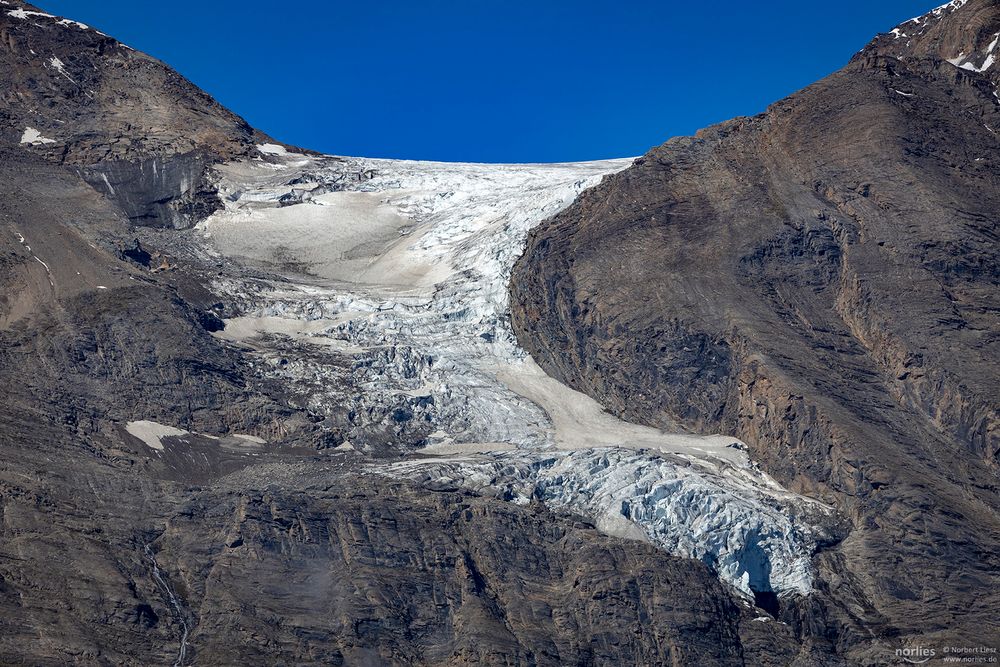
pixel 384 286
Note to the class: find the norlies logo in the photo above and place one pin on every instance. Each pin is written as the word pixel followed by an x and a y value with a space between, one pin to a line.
pixel 916 654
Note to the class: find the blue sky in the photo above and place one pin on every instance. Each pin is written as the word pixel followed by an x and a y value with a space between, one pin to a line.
pixel 494 80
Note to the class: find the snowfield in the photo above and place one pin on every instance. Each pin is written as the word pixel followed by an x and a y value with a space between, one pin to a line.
pixel 397 271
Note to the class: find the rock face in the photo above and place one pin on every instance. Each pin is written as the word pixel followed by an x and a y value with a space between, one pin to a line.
pixel 137 130
pixel 821 281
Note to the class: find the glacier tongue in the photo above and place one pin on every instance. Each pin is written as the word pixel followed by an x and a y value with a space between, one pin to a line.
pixel 392 299
pixel 733 519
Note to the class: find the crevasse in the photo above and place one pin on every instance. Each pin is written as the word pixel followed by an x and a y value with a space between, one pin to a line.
pixel 406 265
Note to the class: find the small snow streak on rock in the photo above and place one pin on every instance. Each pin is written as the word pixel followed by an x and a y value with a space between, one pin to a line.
pixel 25 14
pixel 60 67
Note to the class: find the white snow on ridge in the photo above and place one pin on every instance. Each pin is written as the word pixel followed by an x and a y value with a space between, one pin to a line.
pixel 953 5
pixel 69 22
pixel 939 10
pixel 924 20
pixel 409 263
pixel 25 14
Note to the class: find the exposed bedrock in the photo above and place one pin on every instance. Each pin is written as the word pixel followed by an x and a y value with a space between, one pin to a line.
pixel 174 191
pixel 344 570
pixel 820 281
pixel 136 130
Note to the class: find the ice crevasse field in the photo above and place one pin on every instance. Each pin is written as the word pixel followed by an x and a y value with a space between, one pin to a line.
pixel 408 263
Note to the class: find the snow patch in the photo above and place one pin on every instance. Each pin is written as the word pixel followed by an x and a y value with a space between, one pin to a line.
pixel 151 432
pixel 272 149
pixel 250 438
pixel 24 14
pixel 111 189
pixel 962 61
pixel 48 271
pixel 59 66
pixel 990 54
pixel 70 22
pixel 33 137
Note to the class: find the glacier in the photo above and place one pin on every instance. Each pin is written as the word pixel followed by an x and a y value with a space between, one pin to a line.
pixel 382 285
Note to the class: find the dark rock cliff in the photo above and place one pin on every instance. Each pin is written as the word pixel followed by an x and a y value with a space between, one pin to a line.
pixel 820 281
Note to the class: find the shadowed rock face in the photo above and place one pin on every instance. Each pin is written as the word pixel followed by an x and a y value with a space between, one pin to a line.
pixel 820 281
pixel 136 129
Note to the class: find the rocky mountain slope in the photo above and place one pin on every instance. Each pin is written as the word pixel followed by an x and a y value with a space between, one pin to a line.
pixel 197 468
pixel 135 129
pixel 821 282
pixel 266 406
pixel 215 549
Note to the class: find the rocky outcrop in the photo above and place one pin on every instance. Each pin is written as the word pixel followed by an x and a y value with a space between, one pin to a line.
pixel 392 575
pixel 343 569
pixel 136 129
pixel 820 281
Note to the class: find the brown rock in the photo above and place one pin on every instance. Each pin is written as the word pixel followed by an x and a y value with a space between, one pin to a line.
pixel 820 281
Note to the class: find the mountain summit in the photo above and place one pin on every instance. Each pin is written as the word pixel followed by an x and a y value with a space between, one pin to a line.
pixel 132 126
